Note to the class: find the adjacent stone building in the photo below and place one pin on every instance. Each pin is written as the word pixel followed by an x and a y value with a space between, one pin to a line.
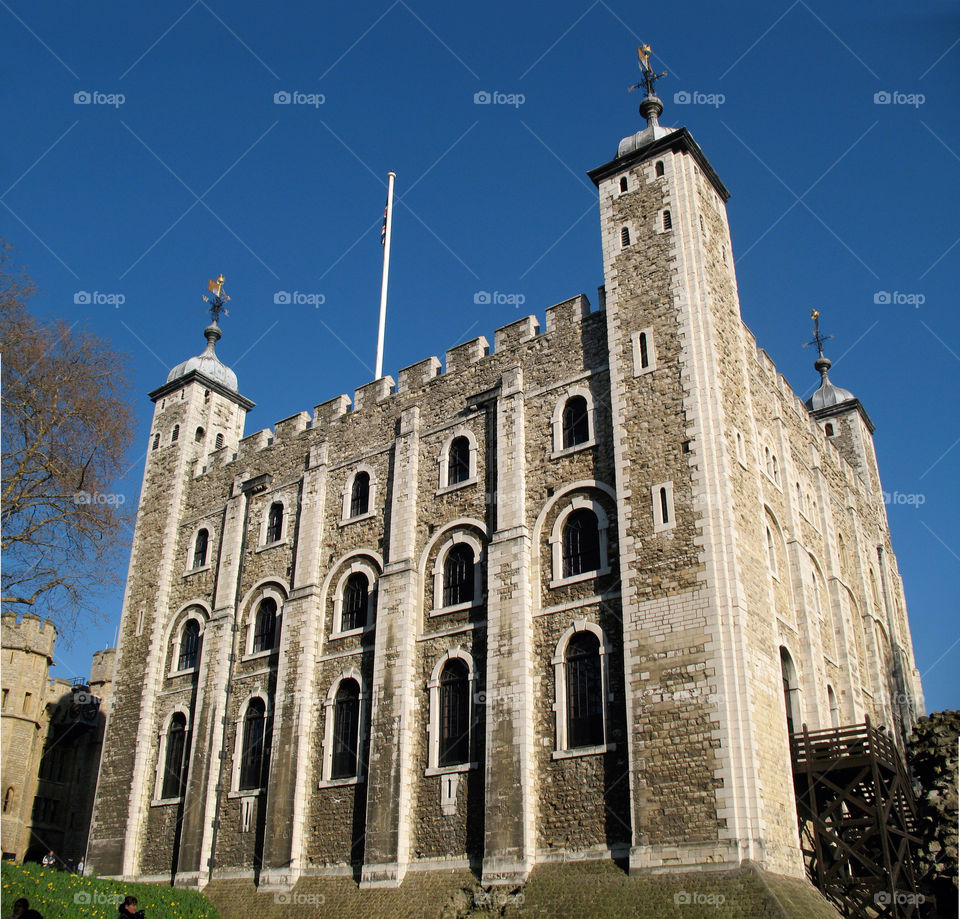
pixel 52 739
pixel 557 599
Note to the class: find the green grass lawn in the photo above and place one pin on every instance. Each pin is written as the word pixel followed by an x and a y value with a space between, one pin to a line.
pixel 58 895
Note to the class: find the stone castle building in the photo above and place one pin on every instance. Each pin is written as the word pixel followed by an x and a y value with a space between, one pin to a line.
pixel 562 598
pixel 52 740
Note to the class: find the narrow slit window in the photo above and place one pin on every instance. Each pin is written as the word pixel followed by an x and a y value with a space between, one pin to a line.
pixel 658 169
pixel 623 183
pixel 664 506
pixel 644 351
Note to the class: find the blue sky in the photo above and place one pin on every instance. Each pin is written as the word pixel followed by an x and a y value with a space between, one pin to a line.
pixel 182 166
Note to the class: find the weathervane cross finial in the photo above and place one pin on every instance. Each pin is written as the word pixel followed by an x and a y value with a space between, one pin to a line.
pixel 219 302
pixel 649 76
pixel 818 337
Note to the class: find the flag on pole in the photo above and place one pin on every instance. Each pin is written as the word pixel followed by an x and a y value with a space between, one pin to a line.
pixel 383 229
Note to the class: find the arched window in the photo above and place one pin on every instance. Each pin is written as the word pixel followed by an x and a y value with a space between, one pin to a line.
pixel 658 168
pixel 623 183
pixel 703 228
pixel 791 691
pixel 275 522
pixel 356 595
pixel 828 429
pixel 799 498
pixel 360 494
pixel 584 691
pixel 175 761
pixel 8 799
pixel 581 543
pixel 667 221
pixel 175 436
pixel 265 625
pixel 198 435
pixel 346 730
pixel 834 707
pixel 775 469
pixel 771 553
pixel 454 714
pixel 253 743
pixel 458 461
pixel 458 575
pixel 576 422
pixel 189 645
pixel 624 237
pixel 841 551
pixel 218 442
pixel 156 440
pixel 200 548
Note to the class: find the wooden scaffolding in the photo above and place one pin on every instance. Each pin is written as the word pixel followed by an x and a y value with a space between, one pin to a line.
pixel 858 820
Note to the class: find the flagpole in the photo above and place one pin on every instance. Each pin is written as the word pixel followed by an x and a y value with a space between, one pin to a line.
pixel 388 222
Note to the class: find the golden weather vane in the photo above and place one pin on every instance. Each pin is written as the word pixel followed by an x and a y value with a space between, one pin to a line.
pixel 219 301
pixel 818 337
pixel 649 76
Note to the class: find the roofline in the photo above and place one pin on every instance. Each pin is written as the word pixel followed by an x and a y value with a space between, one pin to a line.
pixel 208 382
pixel 680 139
pixel 841 408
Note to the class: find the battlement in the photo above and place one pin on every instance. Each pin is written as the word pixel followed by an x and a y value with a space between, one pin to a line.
pixel 567 315
pixel 104 665
pixel 291 427
pixel 31 634
pixel 419 374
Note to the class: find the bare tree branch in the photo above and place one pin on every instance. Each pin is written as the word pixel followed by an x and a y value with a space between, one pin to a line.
pixel 66 427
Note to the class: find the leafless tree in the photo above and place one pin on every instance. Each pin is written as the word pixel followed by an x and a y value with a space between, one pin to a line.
pixel 66 424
